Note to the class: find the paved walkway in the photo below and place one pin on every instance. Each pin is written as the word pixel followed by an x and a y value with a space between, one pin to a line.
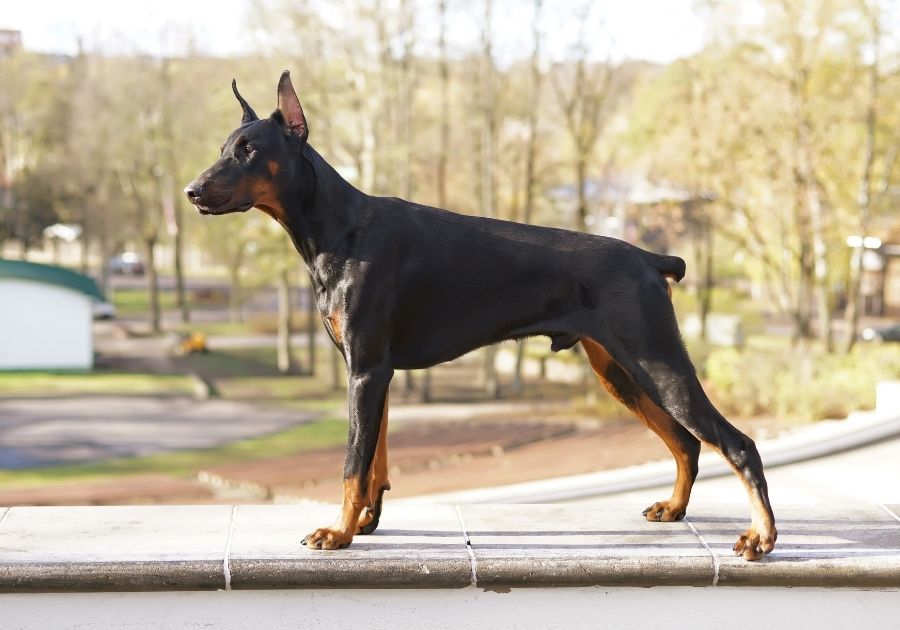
pixel 828 463
pixel 862 476
pixel 88 428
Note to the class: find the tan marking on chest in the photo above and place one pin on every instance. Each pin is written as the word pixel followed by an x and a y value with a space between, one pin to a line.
pixel 335 323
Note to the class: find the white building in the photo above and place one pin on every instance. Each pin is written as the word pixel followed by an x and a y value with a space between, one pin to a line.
pixel 46 317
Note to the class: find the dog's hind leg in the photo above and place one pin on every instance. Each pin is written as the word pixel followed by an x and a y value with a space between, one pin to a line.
pixel 688 404
pixel 640 333
pixel 685 448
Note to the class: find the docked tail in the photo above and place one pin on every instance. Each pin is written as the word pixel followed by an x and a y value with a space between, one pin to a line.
pixel 669 266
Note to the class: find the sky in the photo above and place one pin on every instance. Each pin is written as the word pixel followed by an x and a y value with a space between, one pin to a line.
pixel 655 30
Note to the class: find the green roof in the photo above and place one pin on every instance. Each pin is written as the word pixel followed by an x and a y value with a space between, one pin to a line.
pixel 49 274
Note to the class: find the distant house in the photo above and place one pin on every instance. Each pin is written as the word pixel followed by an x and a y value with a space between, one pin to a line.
pixel 46 317
pixel 615 204
pixel 10 42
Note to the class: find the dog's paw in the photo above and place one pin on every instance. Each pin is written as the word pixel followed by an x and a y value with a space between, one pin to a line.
pixel 753 545
pixel 664 511
pixel 327 538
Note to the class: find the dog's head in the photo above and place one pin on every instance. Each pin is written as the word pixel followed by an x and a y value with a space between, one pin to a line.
pixel 258 160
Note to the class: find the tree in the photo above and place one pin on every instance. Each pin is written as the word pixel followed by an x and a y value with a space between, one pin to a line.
pixel 33 121
pixel 443 157
pixel 486 161
pixel 532 111
pixel 583 105
pixel 872 187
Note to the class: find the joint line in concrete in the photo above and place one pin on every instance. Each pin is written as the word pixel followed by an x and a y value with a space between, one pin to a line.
pixel 712 554
pixel 226 566
pixel 881 505
pixel 465 533
pixel 5 514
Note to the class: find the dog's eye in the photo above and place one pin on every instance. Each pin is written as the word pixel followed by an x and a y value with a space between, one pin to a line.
pixel 249 150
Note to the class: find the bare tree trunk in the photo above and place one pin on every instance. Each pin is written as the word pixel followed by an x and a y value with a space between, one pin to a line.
pixel 178 244
pixel 86 237
pixel 405 103
pixel 854 297
pixel 813 270
pixel 488 193
pixel 702 245
pixel 168 193
pixel 382 158
pixel 443 149
pixel 534 99
pixel 820 262
pixel 583 112
pixel 581 179
pixel 235 290
pixel 695 210
pixel 153 284
pixel 105 253
pixel 284 358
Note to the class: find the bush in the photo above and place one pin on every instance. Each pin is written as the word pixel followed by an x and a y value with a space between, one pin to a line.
pixel 798 385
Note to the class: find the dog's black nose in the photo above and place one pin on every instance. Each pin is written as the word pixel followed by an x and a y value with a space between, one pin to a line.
pixel 194 191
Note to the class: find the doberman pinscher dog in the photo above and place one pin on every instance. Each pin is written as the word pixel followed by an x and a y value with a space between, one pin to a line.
pixel 404 286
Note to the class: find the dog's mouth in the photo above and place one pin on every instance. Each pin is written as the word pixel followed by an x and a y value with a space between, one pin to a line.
pixel 225 208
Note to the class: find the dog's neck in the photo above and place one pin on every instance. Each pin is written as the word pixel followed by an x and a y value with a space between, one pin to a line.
pixel 319 207
pixel 320 213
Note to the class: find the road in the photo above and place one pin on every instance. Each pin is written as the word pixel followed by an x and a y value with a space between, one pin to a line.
pixel 38 432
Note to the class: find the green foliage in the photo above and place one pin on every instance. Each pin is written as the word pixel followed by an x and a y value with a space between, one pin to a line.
pixel 795 385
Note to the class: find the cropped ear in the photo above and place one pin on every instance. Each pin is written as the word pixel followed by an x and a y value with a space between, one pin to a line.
pixel 249 114
pixel 290 109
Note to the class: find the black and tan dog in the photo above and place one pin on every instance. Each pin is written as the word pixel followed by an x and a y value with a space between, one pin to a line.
pixel 405 286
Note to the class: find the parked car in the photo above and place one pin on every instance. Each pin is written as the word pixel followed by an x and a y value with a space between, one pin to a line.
pixel 126 264
pixel 878 335
pixel 104 310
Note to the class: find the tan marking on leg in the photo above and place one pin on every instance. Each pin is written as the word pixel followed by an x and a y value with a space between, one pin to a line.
pixel 760 538
pixel 377 477
pixel 756 541
pixel 341 534
pixel 668 430
pixel 660 423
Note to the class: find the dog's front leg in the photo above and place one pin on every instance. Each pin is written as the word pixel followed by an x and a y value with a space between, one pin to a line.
pixel 368 391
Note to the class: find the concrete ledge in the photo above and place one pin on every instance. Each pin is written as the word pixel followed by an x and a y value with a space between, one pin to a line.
pixel 496 548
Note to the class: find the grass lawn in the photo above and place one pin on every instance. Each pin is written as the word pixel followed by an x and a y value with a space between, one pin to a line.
pixel 253 324
pixel 322 433
pixel 137 301
pixel 251 374
pixel 41 383
pixel 219 329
